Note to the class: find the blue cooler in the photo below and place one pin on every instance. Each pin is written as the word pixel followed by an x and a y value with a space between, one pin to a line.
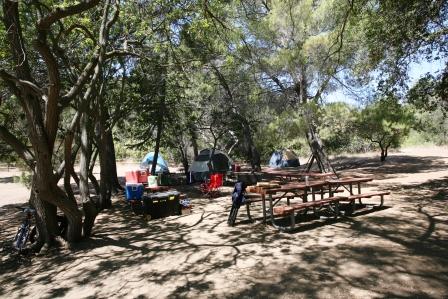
pixel 134 191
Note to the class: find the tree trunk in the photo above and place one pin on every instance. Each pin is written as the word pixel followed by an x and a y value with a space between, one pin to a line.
pixel 317 150
pixel 194 141
pixel 90 211
pixel 92 177
pixel 46 220
pixel 211 166
pixel 251 150
pixel 68 165
pixel 383 152
pixel 163 74
pixel 84 161
pixel 157 147
pixel 184 156
pixel 105 173
pixel 112 163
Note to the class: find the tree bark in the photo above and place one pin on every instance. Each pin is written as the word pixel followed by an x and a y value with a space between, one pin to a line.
pixel 92 177
pixel 89 208
pixel 184 156
pixel 112 163
pixel 46 220
pixel 194 141
pixel 162 110
pixel 251 150
pixel 105 175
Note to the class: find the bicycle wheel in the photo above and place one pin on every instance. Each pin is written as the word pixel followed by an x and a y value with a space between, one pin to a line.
pixel 21 237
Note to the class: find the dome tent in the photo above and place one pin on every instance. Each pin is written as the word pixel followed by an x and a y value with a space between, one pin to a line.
pixel 161 166
pixel 220 163
pixel 284 158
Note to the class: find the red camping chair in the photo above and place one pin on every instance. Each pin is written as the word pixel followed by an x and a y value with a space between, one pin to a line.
pixel 211 186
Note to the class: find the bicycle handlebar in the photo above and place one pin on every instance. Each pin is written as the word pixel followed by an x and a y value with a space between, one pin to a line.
pixel 26 209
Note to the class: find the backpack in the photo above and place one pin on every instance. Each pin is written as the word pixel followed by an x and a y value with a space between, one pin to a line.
pixel 238 194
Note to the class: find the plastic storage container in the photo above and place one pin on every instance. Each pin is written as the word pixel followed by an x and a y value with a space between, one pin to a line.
pixel 162 204
pixel 134 191
pixel 155 205
pixel 174 207
pixel 152 181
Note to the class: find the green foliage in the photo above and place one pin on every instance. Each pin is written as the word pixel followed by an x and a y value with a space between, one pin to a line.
pixel 385 123
pixel 287 130
pixel 391 34
pixel 431 93
pixel 337 123
pixel 430 127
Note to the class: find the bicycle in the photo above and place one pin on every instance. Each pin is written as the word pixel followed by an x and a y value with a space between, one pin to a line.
pixel 27 231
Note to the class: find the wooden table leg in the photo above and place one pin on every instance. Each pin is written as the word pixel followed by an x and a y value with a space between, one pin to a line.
pixel 263 203
pixel 271 208
pixel 359 192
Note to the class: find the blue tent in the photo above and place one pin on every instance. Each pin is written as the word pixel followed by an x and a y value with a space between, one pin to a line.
pixel 284 158
pixel 161 166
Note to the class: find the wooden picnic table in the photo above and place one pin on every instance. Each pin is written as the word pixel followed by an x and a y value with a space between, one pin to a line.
pixel 303 189
pixel 334 184
pixel 300 189
pixel 273 193
pixel 294 173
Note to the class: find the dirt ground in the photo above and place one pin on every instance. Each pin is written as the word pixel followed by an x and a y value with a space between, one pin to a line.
pixel 399 251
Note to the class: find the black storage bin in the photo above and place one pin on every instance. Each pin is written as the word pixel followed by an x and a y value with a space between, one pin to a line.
pixel 173 203
pixel 162 204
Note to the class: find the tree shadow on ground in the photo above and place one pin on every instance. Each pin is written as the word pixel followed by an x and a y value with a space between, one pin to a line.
pixel 398 251
pixel 6 180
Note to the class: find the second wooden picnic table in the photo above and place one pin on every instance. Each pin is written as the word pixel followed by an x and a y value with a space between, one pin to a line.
pixel 303 189
pixel 289 174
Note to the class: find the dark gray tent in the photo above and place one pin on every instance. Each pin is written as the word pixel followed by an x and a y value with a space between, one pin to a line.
pixel 220 163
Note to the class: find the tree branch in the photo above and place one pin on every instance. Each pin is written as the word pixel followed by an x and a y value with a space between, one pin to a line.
pixel 60 13
pixel 22 151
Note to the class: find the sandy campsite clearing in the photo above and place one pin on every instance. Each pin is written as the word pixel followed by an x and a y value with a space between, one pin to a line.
pixel 395 252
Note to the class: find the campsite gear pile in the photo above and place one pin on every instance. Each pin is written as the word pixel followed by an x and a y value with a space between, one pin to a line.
pixel 152 205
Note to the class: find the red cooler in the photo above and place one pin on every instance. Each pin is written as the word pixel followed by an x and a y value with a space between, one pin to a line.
pixel 143 176
pixel 132 177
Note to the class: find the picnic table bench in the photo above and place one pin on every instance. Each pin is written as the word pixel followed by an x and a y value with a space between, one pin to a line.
pixel 336 184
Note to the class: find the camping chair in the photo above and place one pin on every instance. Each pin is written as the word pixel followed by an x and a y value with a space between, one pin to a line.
pixel 211 186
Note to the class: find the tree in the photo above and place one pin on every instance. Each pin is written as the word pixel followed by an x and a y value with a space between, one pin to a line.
pixel 47 76
pixel 392 34
pixel 385 123
pixel 336 123
pixel 300 47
